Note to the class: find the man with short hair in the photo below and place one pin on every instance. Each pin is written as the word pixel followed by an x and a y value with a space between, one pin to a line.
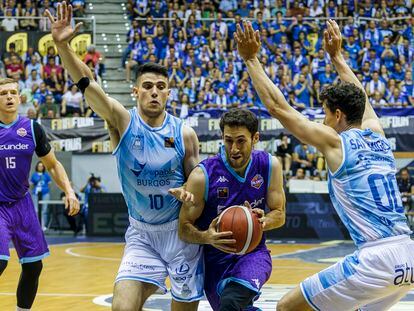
pixel 20 138
pixel 155 152
pixel 237 175
pixel 362 186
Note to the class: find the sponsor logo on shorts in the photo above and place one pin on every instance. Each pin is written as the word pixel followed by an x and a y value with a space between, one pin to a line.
pixel 182 279
pixel 21 132
pixel 135 265
pixel 185 291
pixel 404 275
pixel 183 269
pixel 257 181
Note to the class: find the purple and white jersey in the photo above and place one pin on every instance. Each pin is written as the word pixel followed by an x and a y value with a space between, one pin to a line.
pixel 224 187
pixel 17 145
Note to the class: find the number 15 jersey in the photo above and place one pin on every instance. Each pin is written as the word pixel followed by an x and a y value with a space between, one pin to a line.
pixel 150 161
pixel 364 189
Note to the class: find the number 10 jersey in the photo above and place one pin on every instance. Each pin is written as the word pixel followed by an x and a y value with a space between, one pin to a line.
pixel 150 161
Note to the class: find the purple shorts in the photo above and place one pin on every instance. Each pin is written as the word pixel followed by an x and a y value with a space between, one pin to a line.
pixel 251 270
pixel 19 223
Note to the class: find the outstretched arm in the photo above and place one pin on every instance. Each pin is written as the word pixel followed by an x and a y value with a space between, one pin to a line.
pixel 333 45
pixel 107 108
pixel 191 211
pixel 316 134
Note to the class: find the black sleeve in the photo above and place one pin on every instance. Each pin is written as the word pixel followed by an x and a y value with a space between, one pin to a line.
pixel 42 144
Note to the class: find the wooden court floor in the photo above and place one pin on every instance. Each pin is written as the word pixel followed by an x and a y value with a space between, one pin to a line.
pixel 77 273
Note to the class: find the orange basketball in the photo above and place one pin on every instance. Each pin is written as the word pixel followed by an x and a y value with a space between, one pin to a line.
pixel 245 225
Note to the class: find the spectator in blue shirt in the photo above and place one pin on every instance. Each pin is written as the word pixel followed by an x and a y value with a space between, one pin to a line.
pixel 327 77
pixel 303 91
pixel 303 157
pixel 352 48
pixel 397 73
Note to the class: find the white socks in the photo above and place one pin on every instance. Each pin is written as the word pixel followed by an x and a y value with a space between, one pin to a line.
pixel 22 309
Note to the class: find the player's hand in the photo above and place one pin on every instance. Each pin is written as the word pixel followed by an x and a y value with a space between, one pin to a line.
pixel 62 30
pixel 71 203
pixel 248 41
pixel 220 240
pixel 259 212
pixel 182 195
pixel 332 39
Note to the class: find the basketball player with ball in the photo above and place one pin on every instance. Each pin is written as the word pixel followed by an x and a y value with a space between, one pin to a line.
pixel 238 184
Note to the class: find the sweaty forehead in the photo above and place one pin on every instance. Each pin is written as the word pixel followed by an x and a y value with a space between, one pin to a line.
pixel 152 78
pixel 8 86
pixel 235 132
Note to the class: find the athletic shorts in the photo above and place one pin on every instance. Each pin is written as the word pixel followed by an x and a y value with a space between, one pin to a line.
pixel 20 224
pixel 251 270
pixel 374 278
pixel 153 252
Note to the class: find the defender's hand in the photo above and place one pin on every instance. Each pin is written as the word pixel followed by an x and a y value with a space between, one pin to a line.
pixel 332 39
pixel 248 41
pixel 62 30
pixel 182 195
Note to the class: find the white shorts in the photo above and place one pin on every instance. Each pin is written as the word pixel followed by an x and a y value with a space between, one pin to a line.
pixel 375 277
pixel 153 252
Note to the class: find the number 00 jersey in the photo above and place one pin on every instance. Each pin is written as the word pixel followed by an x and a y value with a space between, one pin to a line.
pixel 150 161
pixel 364 189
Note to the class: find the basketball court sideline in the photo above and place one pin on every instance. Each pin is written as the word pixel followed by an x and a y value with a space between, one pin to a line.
pixel 79 274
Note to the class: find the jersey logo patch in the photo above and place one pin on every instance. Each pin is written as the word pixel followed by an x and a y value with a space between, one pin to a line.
pixel 21 132
pixel 138 169
pixel 169 142
pixel 223 192
pixel 138 143
pixel 222 179
pixel 257 181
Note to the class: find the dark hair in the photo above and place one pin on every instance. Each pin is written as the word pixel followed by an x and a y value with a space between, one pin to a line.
pixel 348 98
pixel 151 68
pixel 37 165
pixel 240 117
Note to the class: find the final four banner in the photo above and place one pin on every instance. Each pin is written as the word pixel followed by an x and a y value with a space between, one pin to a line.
pixel 91 134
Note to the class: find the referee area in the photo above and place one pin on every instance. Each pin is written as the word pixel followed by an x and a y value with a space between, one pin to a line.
pixel 80 272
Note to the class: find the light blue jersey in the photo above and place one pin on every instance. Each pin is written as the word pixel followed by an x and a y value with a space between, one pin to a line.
pixel 150 161
pixel 364 189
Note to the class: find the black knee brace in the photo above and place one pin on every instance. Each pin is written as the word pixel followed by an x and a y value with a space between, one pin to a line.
pixel 28 283
pixel 236 297
pixel 3 265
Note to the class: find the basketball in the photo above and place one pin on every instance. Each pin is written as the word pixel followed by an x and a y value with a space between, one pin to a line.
pixel 245 225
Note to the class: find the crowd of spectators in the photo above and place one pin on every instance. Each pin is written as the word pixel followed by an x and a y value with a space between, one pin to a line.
pixel 196 43
pixel 45 87
pixel 12 11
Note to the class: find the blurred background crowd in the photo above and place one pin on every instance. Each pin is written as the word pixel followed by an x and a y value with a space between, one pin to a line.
pixel 194 39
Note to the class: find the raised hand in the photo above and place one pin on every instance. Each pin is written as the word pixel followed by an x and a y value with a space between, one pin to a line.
pixel 332 39
pixel 62 31
pixel 248 41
